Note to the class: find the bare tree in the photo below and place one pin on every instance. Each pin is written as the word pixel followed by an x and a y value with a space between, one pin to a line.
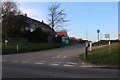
pixel 56 17
pixel 8 11
pixel 10 6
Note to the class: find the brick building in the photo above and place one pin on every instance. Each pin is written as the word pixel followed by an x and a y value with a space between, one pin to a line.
pixel 65 37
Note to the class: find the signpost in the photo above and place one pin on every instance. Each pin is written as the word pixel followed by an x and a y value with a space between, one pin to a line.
pixel 98 31
pixel 107 36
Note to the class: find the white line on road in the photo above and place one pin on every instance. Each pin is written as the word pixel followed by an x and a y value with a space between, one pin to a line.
pixel 71 63
pixel 53 64
pixel 83 63
pixel 58 55
pixel 86 66
pixel 68 65
pixel 64 57
pixel 39 63
pixel 53 57
pixel 58 62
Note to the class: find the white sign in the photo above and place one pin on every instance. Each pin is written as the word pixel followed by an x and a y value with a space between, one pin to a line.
pixel 107 35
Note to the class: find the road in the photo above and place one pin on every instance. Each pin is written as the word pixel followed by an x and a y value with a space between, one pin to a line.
pixel 55 63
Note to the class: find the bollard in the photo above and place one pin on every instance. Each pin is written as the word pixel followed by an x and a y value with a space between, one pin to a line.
pixel 85 52
pixel 17 48
pixel 90 46
pixel 109 48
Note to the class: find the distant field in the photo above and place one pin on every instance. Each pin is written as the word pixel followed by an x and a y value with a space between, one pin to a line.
pixel 101 56
pixel 29 47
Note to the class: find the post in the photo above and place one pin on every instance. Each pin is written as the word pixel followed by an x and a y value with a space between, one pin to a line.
pixel 109 48
pixel 17 48
pixel 90 46
pixel 98 31
pixel 98 36
pixel 85 51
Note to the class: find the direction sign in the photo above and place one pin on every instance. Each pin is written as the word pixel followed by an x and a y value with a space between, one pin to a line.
pixel 107 35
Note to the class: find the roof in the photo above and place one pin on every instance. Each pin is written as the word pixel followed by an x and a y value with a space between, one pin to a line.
pixel 72 38
pixel 62 33
pixel 75 38
pixel 45 25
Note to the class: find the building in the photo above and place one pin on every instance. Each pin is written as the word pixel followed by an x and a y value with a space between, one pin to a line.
pixel 65 37
pixel 32 25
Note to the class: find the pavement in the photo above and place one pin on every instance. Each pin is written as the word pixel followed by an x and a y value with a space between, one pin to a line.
pixel 55 63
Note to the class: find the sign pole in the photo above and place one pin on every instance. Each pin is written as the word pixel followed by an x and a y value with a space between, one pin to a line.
pixel 98 31
pixel 98 36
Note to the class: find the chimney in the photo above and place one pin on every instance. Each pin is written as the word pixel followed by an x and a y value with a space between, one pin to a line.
pixel 42 21
pixel 25 14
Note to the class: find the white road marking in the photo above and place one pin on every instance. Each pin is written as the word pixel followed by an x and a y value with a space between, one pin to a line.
pixel 58 62
pixel 64 57
pixel 58 55
pixel 83 63
pixel 71 63
pixel 86 66
pixel 53 64
pixel 24 62
pixel 39 63
pixel 68 65
pixel 53 57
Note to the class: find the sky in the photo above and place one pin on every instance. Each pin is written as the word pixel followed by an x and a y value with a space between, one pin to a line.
pixel 85 17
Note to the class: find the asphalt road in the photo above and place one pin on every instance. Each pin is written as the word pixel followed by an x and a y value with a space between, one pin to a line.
pixel 54 63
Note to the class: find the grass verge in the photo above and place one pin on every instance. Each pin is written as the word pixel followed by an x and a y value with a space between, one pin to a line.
pixel 102 56
pixel 29 47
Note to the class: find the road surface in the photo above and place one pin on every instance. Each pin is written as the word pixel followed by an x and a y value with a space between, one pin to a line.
pixel 55 63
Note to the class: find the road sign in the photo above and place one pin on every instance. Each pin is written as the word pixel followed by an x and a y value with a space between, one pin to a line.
pixel 98 31
pixel 107 35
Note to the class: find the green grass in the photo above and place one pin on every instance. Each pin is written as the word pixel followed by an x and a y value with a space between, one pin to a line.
pixel 29 47
pixel 103 42
pixel 101 56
